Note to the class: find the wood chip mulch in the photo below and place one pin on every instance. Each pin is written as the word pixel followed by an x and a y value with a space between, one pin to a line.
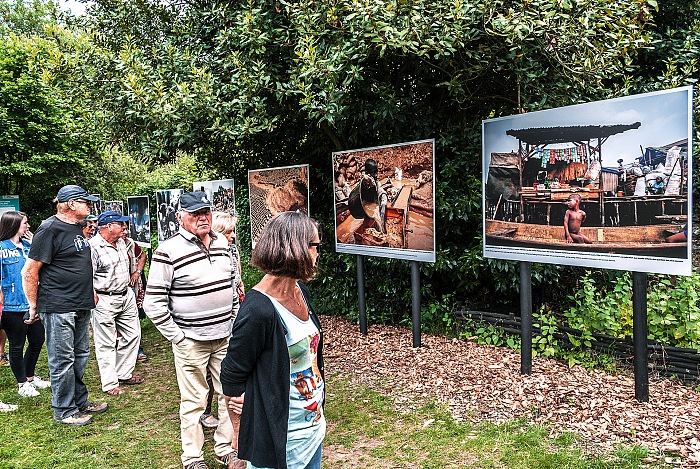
pixel 482 383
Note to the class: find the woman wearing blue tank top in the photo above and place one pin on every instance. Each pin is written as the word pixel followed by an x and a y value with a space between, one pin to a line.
pixel 14 248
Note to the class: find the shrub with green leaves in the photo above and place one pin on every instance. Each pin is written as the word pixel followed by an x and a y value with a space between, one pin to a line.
pixel 674 311
pixel 604 305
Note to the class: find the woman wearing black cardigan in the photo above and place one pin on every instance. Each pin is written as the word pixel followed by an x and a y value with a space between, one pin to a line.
pixel 273 371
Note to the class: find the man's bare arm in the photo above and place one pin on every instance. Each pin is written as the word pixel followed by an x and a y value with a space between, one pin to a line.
pixel 30 283
pixel 140 264
pixel 142 261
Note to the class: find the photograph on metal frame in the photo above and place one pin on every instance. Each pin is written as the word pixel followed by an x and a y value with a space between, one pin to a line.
pixel 96 206
pixel 168 202
pixel 220 192
pixel 604 184
pixel 115 205
pixel 276 190
pixel 385 201
pixel 139 220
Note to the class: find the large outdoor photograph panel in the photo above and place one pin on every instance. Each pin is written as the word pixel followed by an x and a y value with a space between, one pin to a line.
pixel 276 190
pixel 167 201
pixel 220 192
pixel 385 201
pixel 139 220
pixel 603 184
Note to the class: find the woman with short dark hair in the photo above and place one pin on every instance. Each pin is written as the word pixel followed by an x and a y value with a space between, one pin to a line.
pixel 14 249
pixel 274 366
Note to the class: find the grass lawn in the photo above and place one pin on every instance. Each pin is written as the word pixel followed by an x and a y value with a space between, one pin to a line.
pixel 366 430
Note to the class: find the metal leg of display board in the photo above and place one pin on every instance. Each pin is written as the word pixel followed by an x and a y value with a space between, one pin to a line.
pixel 415 289
pixel 525 318
pixel 361 293
pixel 639 333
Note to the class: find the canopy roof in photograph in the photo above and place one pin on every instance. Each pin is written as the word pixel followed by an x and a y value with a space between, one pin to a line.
pixel 575 133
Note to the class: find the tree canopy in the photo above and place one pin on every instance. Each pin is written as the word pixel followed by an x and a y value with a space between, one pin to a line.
pixel 42 137
pixel 221 77
pixel 251 84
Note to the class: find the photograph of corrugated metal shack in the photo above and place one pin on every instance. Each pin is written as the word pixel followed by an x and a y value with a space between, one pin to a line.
pixel 640 207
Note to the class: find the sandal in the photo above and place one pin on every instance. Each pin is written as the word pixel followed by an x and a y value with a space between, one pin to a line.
pixel 116 391
pixel 231 460
pixel 209 421
pixel 135 379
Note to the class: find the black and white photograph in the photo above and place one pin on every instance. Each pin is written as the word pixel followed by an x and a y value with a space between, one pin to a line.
pixel 115 205
pixel 139 220
pixel 167 201
pixel 603 184
pixel 96 206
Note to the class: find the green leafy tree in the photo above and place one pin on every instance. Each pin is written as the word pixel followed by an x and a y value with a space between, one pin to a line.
pixel 41 143
pixel 253 84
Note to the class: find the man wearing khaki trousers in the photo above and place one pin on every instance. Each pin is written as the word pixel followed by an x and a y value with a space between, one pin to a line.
pixel 190 299
pixel 115 319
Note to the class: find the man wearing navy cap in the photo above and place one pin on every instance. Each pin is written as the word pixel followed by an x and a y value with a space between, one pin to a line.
pixel 58 284
pixel 189 298
pixel 115 311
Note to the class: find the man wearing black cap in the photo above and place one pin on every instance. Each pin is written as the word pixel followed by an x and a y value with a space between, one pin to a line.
pixel 115 312
pixel 58 284
pixel 190 299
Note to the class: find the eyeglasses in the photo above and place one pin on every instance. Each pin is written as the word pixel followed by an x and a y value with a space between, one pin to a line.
pixel 316 245
pixel 86 202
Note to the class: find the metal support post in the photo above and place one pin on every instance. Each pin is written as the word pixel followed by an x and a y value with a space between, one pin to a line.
pixel 415 289
pixel 525 318
pixel 361 293
pixel 639 336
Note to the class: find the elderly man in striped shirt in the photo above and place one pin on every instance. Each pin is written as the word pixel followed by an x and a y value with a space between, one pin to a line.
pixel 115 319
pixel 190 299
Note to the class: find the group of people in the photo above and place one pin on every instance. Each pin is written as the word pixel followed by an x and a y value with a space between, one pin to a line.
pixel 262 357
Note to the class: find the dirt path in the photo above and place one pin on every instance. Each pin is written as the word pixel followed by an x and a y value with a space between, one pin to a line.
pixel 484 383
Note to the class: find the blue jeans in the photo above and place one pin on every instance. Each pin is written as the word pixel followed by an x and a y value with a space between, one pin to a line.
pixel 315 462
pixel 68 347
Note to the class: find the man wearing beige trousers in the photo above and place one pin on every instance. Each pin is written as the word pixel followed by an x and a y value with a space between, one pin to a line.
pixel 190 299
pixel 115 320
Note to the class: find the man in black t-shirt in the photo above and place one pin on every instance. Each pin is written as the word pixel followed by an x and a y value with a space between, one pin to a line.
pixel 58 284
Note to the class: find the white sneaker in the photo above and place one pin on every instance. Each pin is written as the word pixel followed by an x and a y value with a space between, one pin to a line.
pixel 27 390
pixel 39 383
pixel 7 407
